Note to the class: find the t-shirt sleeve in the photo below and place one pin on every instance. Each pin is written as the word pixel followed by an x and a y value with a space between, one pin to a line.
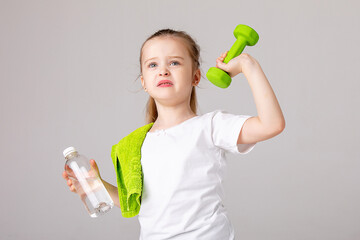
pixel 226 128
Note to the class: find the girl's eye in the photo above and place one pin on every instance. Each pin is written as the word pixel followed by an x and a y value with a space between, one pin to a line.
pixel 151 65
pixel 175 63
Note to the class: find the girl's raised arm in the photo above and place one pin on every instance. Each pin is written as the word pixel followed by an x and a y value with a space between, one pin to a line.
pixel 270 120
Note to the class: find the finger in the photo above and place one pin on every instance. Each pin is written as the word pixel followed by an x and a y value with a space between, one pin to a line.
pixel 93 163
pixel 65 176
pixel 94 168
pixel 69 182
pixel 220 59
pixel 223 55
pixel 222 65
pixel 69 171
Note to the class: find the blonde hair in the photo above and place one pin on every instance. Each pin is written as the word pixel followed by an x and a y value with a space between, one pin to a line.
pixel 194 51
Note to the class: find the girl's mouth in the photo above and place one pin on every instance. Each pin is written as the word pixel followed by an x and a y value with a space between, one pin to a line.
pixel 165 83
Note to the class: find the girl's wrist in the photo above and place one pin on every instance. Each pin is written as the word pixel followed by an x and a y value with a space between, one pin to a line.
pixel 249 67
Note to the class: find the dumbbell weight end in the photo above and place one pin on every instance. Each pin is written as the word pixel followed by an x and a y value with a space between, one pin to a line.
pixel 218 77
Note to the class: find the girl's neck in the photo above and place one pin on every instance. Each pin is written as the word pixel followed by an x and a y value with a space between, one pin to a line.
pixel 171 117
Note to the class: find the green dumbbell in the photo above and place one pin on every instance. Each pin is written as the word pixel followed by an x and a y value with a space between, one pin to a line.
pixel 244 35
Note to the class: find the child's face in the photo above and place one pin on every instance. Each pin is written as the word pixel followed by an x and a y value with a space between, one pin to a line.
pixel 167 58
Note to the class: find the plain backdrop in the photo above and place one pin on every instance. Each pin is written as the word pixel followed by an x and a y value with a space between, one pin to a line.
pixel 68 72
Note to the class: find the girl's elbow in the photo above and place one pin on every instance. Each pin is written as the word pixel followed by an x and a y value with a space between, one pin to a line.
pixel 280 127
pixel 275 130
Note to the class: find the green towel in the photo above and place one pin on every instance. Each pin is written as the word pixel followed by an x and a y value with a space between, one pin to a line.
pixel 126 157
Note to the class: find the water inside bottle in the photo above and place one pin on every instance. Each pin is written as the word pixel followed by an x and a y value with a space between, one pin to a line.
pixel 94 195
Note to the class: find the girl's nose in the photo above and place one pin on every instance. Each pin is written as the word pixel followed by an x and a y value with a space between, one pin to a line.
pixel 164 72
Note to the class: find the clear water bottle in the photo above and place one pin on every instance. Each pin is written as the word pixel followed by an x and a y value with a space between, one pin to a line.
pixel 87 183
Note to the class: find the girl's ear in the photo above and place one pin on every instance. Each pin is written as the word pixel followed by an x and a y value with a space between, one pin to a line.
pixel 142 83
pixel 197 77
pixel 142 80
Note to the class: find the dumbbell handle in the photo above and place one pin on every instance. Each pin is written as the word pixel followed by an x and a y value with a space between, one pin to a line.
pixel 236 49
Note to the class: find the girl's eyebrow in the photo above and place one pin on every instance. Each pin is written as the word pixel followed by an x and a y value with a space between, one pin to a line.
pixel 169 57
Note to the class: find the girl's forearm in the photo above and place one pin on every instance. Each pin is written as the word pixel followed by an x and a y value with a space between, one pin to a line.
pixel 268 108
pixel 113 191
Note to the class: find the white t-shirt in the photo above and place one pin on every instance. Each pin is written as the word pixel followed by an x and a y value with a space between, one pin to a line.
pixel 183 172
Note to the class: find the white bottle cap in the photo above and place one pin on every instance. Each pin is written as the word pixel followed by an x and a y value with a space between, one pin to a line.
pixel 68 151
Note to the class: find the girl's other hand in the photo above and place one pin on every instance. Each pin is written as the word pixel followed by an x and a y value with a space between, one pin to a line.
pixel 236 65
pixel 68 175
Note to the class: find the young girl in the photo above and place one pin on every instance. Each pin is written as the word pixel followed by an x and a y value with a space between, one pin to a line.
pixel 183 154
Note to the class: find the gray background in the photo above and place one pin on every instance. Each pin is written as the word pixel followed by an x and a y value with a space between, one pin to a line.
pixel 68 73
